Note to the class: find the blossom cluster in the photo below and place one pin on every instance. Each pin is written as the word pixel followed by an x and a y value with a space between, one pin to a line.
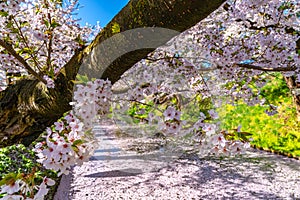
pixel 172 123
pixel 92 99
pixel 238 47
pixel 70 140
pixel 262 34
pixel 20 190
pixel 43 32
pixel 66 144
pixel 221 146
pixel 173 84
pixel 215 139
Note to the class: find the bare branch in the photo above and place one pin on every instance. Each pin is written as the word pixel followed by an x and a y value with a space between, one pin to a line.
pixel 247 66
pixel 267 69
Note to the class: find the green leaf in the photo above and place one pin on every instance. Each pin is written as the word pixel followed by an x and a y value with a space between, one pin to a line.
pixel 75 148
pixel 51 72
pixel 54 24
pixel 246 133
pixel 10 178
pixel 9 25
pixel 82 78
pixel 26 50
pixel 115 28
pixel 77 82
pixel 3 14
pixel 78 142
pixel 80 40
pixel 24 23
pixel 47 23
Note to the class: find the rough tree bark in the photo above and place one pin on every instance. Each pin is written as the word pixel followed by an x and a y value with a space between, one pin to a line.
pixel 27 107
pixel 295 87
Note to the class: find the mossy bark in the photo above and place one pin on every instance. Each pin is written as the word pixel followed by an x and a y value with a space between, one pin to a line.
pixel 28 107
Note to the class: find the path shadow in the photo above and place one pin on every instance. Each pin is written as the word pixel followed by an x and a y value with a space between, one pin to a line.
pixel 234 175
pixel 116 173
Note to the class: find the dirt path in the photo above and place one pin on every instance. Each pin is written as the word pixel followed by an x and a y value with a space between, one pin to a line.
pixel 113 173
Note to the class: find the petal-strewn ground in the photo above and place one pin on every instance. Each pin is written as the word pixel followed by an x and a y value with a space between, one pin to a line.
pixel 113 173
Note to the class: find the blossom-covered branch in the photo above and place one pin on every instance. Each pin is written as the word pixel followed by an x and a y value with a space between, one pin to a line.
pixel 11 50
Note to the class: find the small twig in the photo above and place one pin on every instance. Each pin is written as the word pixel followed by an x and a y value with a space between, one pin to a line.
pixel 26 44
pixel 248 66
pixel 49 49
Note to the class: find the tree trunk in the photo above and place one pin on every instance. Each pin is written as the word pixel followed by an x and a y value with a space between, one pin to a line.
pixel 28 107
pixel 295 89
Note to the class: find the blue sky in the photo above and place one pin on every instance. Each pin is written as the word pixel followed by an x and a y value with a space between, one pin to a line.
pixel 99 10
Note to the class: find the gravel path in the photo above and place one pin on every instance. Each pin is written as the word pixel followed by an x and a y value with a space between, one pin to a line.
pixel 113 173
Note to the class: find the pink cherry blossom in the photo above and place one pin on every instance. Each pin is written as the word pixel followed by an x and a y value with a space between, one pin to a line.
pixel 59 126
pixel 11 188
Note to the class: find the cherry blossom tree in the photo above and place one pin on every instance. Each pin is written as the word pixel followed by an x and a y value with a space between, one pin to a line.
pixel 246 46
pixel 227 53
pixel 33 35
pixel 238 48
pixel 48 45
pixel 45 28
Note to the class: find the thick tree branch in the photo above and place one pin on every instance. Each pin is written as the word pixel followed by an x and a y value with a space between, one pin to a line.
pixel 177 15
pixel 11 50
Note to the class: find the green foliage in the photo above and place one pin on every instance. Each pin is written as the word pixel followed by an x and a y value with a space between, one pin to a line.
pixel 17 160
pixel 139 112
pixel 80 41
pixel 276 90
pixel 3 14
pixel 280 132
